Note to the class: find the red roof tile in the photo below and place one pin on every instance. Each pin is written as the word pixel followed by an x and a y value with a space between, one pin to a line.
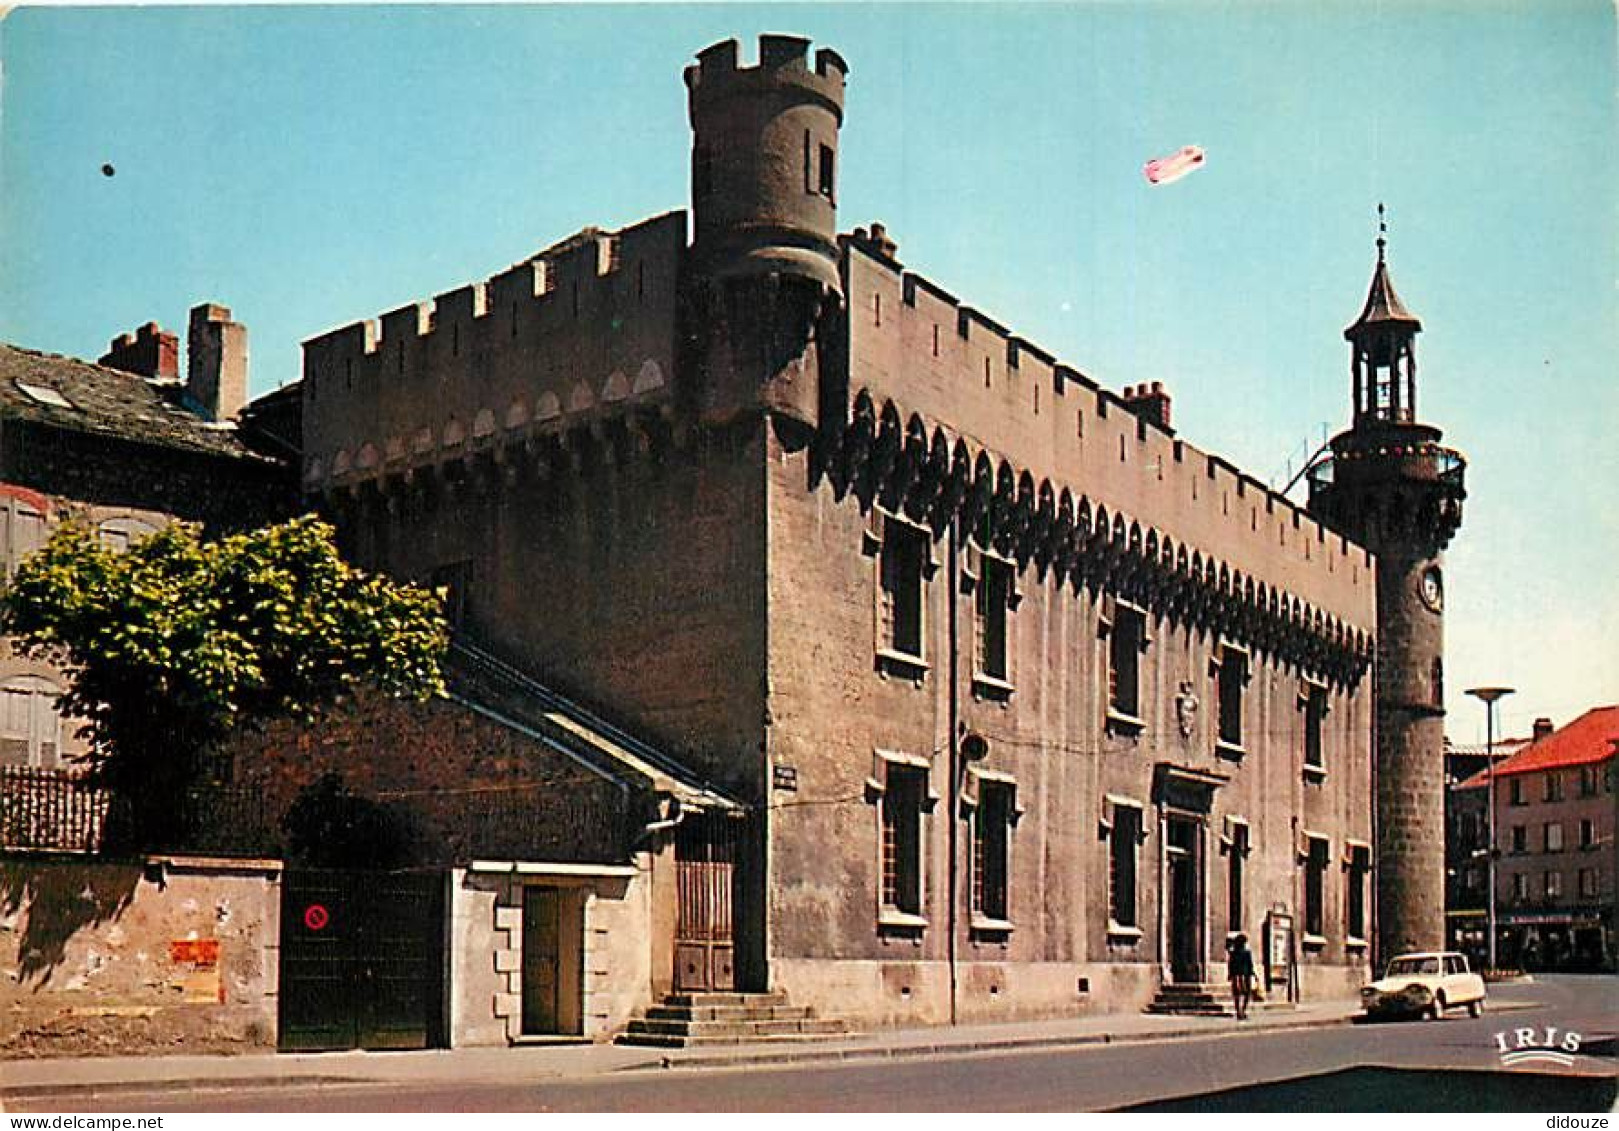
pixel 1588 739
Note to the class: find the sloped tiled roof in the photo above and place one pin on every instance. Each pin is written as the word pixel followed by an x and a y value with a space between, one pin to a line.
pixel 106 402
pixel 1587 740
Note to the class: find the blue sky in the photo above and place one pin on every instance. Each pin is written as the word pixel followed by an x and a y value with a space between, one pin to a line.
pixel 312 166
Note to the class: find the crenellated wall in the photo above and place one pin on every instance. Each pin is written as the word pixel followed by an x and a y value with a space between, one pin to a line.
pixel 582 330
pixel 915 345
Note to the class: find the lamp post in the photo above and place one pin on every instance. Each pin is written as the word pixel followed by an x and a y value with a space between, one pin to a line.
pixel 1489 695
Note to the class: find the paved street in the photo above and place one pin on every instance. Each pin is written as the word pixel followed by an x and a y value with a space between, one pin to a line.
pixel 1100 1077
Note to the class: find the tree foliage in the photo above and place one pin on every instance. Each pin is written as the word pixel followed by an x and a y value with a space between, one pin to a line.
pixel 177 642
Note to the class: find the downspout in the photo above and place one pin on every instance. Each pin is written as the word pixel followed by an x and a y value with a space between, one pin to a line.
pixel 954 748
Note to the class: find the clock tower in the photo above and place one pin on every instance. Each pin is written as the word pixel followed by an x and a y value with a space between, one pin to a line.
pixel 1390 485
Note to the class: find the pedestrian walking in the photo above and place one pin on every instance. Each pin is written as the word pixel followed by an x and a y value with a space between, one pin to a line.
pixel 1240 963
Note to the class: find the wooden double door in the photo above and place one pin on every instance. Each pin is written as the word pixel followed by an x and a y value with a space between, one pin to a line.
pixel 705 923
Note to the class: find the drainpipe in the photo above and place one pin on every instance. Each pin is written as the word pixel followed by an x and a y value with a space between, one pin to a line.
pixel 954 721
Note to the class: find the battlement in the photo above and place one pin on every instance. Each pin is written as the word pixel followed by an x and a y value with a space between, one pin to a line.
pixel 1011 397
pixel 783 62
pixel 587 321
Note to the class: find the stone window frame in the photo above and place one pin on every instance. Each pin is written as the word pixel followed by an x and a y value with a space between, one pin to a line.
pixel 891 918
pixel 1119 932
pixel 1114 612
pixel 1551 882
pixel 1357 881
pixel 1314 860
pixel 1230 657
pixel 978 560
pixel 37 696
pixel 1315 702
pixel 893 661
pixel 1236 843
pixel 978 777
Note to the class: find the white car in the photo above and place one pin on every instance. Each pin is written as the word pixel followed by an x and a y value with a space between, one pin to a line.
pixel 1426 983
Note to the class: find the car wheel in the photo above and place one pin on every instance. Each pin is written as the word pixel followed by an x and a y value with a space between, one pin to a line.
pixel 1436 1009
pixel 1476 1008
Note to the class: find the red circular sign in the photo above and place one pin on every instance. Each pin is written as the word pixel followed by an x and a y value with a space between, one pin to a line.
pixel 315 917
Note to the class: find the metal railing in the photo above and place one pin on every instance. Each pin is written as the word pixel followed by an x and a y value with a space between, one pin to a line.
pixel 64 810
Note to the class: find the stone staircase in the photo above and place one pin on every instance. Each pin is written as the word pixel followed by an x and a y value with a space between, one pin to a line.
pixel 687 1019
pixel 1204 999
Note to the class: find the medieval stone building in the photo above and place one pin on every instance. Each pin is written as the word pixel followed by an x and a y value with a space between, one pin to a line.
pixel 1029 703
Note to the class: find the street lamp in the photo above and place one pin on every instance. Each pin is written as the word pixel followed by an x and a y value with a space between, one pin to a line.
pixel 1488 695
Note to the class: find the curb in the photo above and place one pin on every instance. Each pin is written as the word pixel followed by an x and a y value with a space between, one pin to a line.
pixel 962 1048
pixel 115 1088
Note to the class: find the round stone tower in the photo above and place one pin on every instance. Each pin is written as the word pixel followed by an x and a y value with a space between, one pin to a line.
pixel 1392 487
pixel 764 257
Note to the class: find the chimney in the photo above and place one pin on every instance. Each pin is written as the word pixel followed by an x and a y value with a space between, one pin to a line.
pixel 150 351
pixel 1543 729
pixel 216 362
pixel 1149 402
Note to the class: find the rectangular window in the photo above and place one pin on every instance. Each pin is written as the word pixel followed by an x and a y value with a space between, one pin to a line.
pixel 1315 713
pixel 1588 781
pixel 1520 887
pixel 1515 791
pixel 828 160
pixel 993 599
pixel 1554 786
pixel 1231 679
pixel 1125 641
pixel 1553 833
pixel 1553 884
pixel 1588 883
pixel 1123 841
pixel 1587 833
pixel 24 533
pixel 1360 868
pixel 904 553
pixel 1237 860
pixel 1520 838
pixel 904 794
pixel 992 842
pixel 1315 878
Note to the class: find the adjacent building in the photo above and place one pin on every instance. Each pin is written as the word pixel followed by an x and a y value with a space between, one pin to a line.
pixel 1554 846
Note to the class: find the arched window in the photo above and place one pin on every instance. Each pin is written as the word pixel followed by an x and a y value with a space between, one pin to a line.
pixel 30 728
pixel 119 534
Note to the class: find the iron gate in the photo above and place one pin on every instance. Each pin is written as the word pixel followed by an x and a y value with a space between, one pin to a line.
pixel 705 863
pixel 362 957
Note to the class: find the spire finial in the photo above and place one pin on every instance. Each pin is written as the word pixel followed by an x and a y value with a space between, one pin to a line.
pixel 1382 232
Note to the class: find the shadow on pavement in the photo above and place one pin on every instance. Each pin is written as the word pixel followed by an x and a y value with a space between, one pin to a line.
pixel 1408 1089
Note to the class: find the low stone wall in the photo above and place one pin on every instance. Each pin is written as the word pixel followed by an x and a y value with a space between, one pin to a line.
pixel 169 955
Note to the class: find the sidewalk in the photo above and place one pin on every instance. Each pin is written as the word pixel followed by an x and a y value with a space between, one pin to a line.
pixel 92 1079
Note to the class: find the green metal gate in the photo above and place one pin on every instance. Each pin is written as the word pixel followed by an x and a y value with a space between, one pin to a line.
pixel 362 960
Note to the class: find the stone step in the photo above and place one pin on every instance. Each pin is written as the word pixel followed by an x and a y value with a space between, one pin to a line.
pixel 652 1040
pixel 728 1012
pixel 726 997
pixel 784 1027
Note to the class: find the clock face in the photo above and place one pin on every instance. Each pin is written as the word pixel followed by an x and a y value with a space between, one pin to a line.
pixel 1433 590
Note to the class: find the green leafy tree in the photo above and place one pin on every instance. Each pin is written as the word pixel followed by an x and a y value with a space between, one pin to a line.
pixel 178 642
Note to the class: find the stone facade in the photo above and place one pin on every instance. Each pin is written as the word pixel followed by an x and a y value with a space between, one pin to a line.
pixel 865 558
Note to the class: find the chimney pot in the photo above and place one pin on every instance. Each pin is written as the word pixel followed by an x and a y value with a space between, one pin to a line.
pixel 1543 727
pixel 150 351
